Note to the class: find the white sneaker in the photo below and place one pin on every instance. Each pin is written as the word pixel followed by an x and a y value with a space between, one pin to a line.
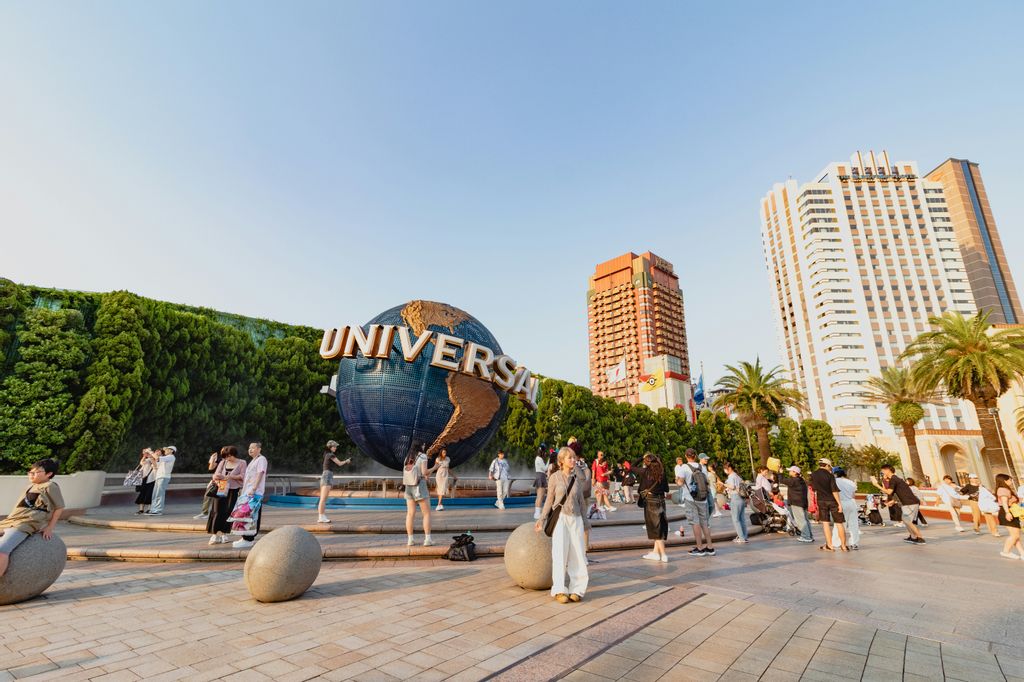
pixel 664 558
pixel 323 519
pixel 223 539
pixel 501 506
pixel 679 533
pixel 716 514
pixel 200 516
pixel 1008 555
pixel 243 544
pixel 439 507
pixel 213 540
pixel 536 513
pixel 960 530
pixel 611 508
pixel 652 556
pixel 427 542
pixel 411 541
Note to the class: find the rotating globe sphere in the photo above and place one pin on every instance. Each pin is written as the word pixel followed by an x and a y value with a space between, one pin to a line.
pixel 389 405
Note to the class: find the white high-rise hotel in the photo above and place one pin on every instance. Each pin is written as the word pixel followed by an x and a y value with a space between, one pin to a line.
pixel 858 260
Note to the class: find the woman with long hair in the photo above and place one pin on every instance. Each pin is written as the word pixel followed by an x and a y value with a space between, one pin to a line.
pixel 1006 497
pixel 414 479
pixel 441 475
pixel 145 496
pixel 228 476
pixel 568 546
pixel 653 488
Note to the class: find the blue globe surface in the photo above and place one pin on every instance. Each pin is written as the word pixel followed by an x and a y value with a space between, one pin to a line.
pixel 390 405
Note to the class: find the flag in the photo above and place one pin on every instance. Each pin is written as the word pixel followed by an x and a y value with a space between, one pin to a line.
pixel 653 381
pixel 617 373
pixel 698 391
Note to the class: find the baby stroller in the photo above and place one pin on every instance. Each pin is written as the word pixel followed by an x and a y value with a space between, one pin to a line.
pixel 766 514
pixel 870 514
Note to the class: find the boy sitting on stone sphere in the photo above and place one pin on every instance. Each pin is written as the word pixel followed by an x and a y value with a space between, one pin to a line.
pixel 37 510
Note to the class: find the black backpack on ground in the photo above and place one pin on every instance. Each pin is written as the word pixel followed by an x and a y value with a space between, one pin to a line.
pixel 462 549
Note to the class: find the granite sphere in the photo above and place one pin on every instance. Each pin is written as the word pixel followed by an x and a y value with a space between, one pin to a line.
pixel 35 564
pixel 283 564
pixel 528 558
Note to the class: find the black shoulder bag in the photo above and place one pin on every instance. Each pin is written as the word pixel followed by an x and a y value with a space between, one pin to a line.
pixel 556 510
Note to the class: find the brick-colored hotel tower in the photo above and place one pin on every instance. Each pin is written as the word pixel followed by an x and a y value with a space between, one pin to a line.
pixel 982 250
pixel 634 312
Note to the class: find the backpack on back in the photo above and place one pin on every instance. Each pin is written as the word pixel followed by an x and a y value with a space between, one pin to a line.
pixel 411 473
pixel 698 484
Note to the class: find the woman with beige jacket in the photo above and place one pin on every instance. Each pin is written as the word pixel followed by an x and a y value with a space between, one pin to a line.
pixel 568 547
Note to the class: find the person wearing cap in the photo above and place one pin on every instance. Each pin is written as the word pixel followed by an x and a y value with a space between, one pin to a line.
pixel 896 487
pixel 830 507
pixel 163 459
pixel 970 493
pixel 702 459
pixel 796 498
pixel 327 478
pixel 952 500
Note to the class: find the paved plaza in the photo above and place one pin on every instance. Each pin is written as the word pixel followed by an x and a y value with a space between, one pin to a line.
pixel 773 609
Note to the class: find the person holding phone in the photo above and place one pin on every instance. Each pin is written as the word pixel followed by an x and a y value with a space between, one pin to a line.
pixel 327 478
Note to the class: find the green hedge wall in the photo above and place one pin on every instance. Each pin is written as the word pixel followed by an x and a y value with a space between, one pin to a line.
pixel 93 378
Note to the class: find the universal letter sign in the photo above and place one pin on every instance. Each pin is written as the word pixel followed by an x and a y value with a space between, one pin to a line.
pixel 476 361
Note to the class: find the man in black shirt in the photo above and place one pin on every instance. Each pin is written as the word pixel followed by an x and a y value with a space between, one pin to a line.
pixel 894 485
pixel 796 498
pixel 971 490
pixel 823 483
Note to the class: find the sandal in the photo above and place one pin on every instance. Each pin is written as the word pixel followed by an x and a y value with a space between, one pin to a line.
pixel 845 549
pixel 826 548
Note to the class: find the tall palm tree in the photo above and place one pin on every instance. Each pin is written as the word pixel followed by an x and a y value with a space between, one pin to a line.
pixel 973 362
pixel 758 396
pixel 896 390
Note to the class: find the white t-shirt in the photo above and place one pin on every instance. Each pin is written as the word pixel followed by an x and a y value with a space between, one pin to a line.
pixel 847 489
pixel 735 482
pixel 256 467
pixel 686 473
pixel 539 465
pixel 164 465
pixel 948 493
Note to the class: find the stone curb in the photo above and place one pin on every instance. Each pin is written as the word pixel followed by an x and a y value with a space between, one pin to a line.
pixel 328 528
pixel 363 553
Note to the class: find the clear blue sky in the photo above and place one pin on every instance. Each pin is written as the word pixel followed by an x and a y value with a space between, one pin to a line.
pixel 318 163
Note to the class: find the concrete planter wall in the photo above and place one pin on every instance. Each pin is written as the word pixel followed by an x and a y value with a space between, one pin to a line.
pixel 81 491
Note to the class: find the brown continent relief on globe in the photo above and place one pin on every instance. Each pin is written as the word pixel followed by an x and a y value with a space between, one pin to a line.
pixel 475 401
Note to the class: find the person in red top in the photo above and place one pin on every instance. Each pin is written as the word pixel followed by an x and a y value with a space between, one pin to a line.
pixel 599 470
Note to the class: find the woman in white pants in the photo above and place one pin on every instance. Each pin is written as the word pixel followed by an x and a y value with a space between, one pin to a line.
pixel 847 490
pixel 952 500
pixel 568 548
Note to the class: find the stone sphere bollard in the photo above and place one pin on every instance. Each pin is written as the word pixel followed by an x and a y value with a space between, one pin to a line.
pixel 34 565
pixel 283 564
pixel 528 558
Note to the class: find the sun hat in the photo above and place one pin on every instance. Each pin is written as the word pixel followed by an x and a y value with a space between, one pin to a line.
pixel 171 448
pixel 332 443
pixel 825 460
pixel 794 469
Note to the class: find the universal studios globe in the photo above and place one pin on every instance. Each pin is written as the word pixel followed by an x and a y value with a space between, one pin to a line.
pixel 389 405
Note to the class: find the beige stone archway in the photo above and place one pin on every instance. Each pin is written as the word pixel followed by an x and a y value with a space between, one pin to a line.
pixel 955 462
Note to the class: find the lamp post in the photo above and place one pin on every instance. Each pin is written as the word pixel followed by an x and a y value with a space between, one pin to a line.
pixel 750 450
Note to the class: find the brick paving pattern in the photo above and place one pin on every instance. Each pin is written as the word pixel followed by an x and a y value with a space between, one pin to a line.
pixel 771 610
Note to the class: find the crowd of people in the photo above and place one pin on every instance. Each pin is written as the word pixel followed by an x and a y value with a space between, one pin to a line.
pixel 826 497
